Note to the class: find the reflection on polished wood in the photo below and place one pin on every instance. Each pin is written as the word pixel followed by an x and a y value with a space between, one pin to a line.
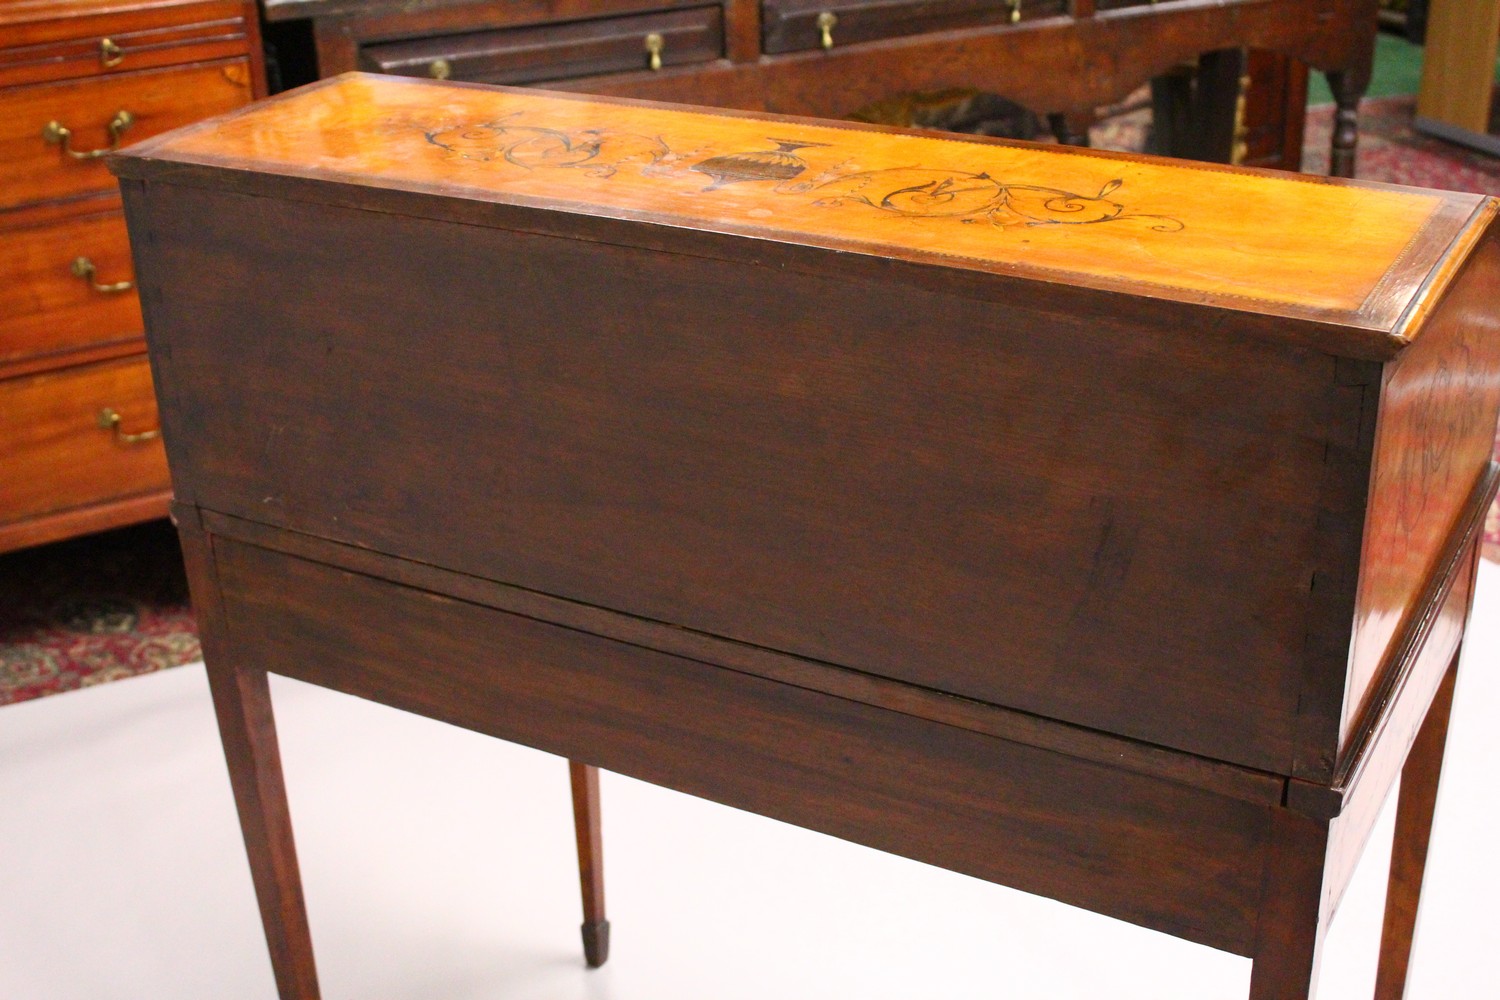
pixel 1093 524
pixel 818 57
pixel 32 169
pixel 1188 230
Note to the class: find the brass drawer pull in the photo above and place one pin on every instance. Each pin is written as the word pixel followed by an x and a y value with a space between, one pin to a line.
pixel 1015 10
pixel 84 268
pixel 59 134
pixel 440 69
pixel 826 22
pixel 109 420
pixel 110 53
pixel 655 45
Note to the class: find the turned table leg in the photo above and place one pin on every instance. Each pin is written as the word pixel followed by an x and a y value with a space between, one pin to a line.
pixel 1289 937
pixel 242 703
pixel 1348 89
pixel 585 780
pixel 1414 810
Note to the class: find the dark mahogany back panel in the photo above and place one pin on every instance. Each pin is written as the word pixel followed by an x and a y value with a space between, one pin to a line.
pixel 1082 518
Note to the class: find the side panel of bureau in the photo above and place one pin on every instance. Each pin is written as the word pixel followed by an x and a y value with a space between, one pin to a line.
pixel 744 451
pixel 1371 786
pixel 1154 853
pixel 1436 432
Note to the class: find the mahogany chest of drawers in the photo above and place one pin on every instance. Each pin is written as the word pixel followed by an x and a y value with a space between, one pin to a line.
pixel 78 439
pixel 1098 525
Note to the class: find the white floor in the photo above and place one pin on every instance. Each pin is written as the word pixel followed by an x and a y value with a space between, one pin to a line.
pixel 438 864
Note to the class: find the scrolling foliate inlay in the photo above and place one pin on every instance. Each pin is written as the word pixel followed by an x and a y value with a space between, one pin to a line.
pixel 1301 247
pixel 914 191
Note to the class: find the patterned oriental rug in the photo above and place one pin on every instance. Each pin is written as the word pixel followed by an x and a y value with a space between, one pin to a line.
pixel 115 605
pixel 1390 151
pixel 93 609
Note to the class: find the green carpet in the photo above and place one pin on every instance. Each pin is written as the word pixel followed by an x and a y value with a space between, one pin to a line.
pixel 1398 70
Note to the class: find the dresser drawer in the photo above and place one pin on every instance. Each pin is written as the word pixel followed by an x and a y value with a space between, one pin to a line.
pixel 55 453
pixel 559 51
pixel 795 25
pixel 1123 4
pixel 34 160
pixel 60 287
pixel 122 42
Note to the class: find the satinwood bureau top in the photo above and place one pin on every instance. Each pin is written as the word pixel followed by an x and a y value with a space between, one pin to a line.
pixel 1349 254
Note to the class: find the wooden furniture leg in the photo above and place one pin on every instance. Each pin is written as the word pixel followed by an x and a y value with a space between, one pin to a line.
pixel 1289 937
pixel 242 703
pixel 1194 110
pixel 1414 810
pixel 585 780
pixel 1348 90
pixel 1221 82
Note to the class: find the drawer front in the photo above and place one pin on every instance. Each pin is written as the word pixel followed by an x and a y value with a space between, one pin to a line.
pixel 35 161
pixel 55 453
pixel 78 48
pixel 51 301
pixel 798 25
pixel 561 51
pixel 1123 4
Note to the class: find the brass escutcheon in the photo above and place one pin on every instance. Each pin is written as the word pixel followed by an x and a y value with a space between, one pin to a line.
pixel 655 45
pixel 826 22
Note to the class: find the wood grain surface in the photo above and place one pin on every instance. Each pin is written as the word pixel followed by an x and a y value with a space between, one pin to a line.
pixel 101 516
pixel 62 40
pixel 1083 833
pixel 896 487
pixel 55 454
pixel 32 169
pixel 45 308
pixel 992 720
pixel 1175 229
pixel 743 451
pixel 552 52
pixel 792 25
pixel 29 21
pixel 1439 410
pixel 247 728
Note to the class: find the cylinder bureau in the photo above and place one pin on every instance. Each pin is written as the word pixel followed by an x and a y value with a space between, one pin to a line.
pixel 1097 525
